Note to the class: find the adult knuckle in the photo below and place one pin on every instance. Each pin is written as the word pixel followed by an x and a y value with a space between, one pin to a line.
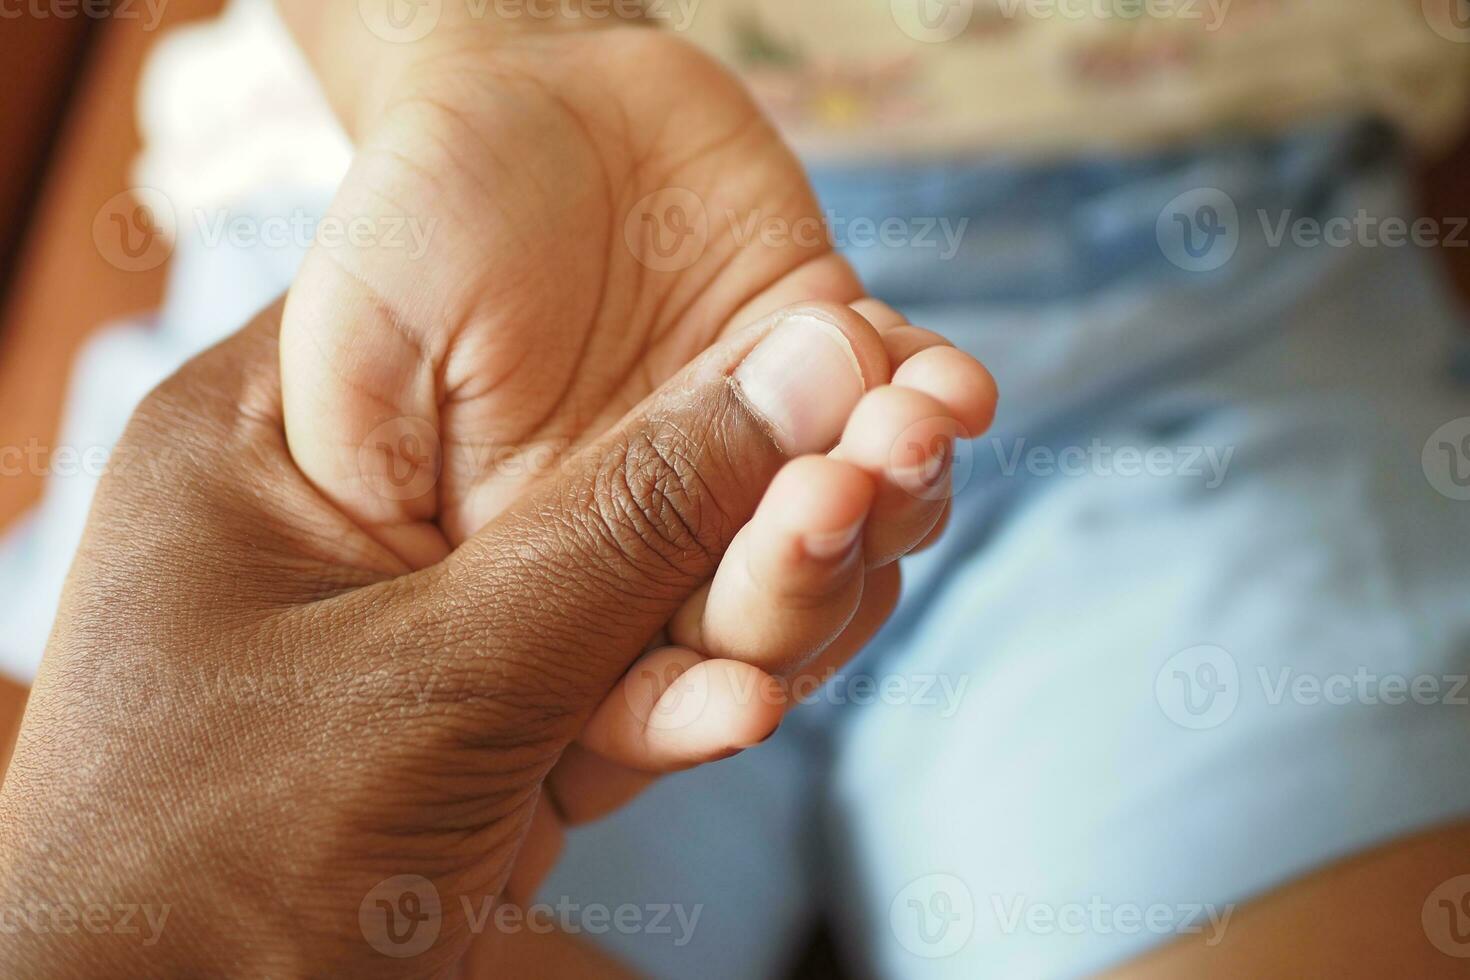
pixel 657 500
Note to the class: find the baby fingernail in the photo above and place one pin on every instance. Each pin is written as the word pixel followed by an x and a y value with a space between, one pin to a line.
pixel 830 545
pixel 926 480
pixel 803 380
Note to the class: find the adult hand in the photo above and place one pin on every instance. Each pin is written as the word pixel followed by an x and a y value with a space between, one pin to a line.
pixel 596 207
pixel 249 716
pixel 601 207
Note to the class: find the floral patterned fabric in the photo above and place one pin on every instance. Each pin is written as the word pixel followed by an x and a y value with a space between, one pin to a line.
pixel 906 77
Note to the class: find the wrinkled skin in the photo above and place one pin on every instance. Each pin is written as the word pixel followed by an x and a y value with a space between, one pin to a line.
pixel 248 715
pixel 591 200
pixel 275 680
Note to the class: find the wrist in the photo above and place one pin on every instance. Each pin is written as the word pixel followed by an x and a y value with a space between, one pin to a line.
pixel 364 54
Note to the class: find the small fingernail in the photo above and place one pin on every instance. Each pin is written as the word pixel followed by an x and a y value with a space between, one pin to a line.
pixel 926 480
pixel 803 380
pixel 832 545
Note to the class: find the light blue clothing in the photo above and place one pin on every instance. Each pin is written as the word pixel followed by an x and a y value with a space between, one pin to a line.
pixel 1087 730
pixel 1120 705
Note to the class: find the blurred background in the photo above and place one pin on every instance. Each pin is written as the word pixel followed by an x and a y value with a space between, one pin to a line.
pixel 69 135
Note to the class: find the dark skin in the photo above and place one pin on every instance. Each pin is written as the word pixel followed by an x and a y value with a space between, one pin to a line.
pixel 248 715
pixel 1316 925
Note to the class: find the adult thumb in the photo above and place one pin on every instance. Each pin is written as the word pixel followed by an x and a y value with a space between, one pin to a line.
pixel 563 591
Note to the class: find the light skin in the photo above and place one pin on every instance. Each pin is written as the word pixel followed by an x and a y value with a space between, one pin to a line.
pixel 534 320
pixel 329 558
pixel 808 446
pixel 274 716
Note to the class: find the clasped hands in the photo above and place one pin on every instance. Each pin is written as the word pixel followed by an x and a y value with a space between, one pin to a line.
pixel 741 447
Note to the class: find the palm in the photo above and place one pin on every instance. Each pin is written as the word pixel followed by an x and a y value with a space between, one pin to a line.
pixel 589 198
pixel 585 246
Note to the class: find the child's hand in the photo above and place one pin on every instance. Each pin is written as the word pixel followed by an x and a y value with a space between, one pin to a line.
pixel 289 738
pixel 548 173
pixel 542 312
